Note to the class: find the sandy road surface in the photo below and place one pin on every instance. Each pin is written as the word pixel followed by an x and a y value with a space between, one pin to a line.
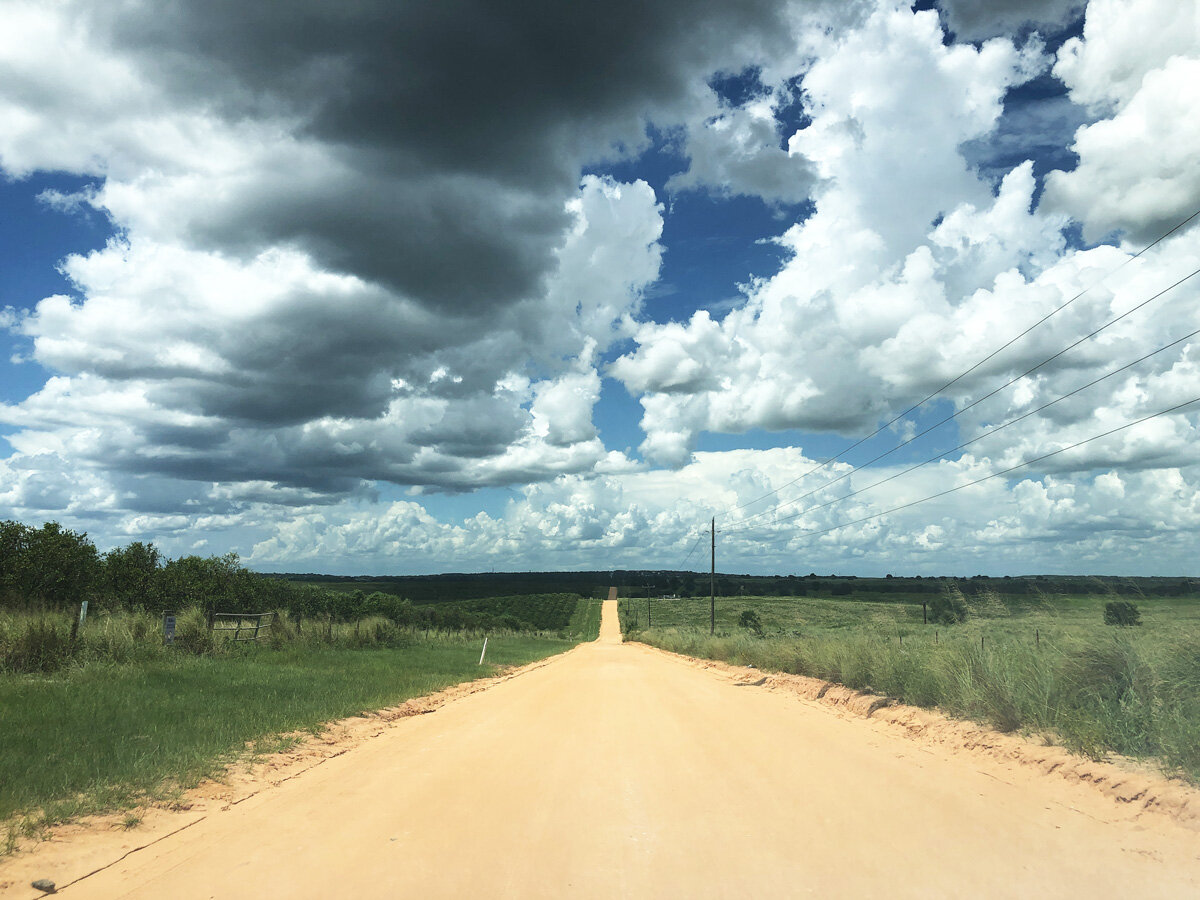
pixel 617 771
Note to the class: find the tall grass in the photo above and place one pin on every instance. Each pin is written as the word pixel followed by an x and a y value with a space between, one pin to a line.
pixel 1132 693
pixel 43 642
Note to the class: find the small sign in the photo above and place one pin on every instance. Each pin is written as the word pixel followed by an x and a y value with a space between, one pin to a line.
pixel 83 612
pixel 168 628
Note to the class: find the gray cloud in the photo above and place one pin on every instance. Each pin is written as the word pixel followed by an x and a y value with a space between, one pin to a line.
pixel 453 132
pixel 976 20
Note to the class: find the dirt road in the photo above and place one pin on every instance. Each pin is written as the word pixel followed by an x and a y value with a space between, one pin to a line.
pixel 618 771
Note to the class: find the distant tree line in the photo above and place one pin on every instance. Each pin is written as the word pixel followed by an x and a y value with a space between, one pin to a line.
pixel 53 568
pixel 50 567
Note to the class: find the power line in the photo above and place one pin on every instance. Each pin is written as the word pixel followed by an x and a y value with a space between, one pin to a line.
pixel 968 407
pixel 696 545
pixel 988 433
pixel 1023 465
pixel 983 361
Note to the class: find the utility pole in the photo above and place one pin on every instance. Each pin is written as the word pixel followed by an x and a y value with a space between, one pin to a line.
pixel 712 583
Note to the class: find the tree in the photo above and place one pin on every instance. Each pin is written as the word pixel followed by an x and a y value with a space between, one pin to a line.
pixel 14 539
pixel 56 566
pixel 218 583
pixel 131 573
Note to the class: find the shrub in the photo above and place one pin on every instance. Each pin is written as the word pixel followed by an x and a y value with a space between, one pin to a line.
pixel 1121 612
pixel 40 645
pixel 947 609
pixel 749 619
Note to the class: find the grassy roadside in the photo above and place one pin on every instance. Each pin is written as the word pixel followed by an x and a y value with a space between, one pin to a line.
pixel 585 623
pixel 103 737
pixel 1052 667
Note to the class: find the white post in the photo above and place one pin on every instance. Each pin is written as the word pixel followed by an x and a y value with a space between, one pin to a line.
pixel 484 651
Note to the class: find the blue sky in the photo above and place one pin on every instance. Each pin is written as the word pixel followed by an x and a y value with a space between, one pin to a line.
pixel 33 238
pixel 419 294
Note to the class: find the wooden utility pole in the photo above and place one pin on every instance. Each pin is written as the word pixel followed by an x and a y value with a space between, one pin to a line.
pixel 712 583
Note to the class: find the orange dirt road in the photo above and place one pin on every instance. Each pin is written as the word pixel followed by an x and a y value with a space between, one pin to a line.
pixel 618 771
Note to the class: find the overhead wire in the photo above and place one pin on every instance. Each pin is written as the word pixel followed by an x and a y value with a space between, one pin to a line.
pixel 826 462
pixel 988 433
pixel 1026 464
pixel 969 406
pixel 699 538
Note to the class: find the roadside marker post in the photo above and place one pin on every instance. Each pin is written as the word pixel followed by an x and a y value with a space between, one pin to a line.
pixel 485 640
pixel 712 582
pixel 78 623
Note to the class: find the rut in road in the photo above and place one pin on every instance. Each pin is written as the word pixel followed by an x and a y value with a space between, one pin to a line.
pixel 618 771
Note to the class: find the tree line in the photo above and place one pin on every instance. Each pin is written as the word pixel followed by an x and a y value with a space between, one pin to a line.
pixel 51 568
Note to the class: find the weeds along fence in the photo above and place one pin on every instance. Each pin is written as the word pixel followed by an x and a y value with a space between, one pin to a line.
pixel 46 642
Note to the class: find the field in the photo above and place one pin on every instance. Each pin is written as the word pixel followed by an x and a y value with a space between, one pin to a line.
pixel 114 718
pixel 1042 664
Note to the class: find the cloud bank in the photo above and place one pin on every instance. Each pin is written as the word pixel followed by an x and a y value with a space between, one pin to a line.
pixel 354 254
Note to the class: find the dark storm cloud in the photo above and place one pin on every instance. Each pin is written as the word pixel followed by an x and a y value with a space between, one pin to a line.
pixel 976 20
pixel 454 130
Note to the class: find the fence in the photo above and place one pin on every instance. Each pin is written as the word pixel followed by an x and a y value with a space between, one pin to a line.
pixel 242 626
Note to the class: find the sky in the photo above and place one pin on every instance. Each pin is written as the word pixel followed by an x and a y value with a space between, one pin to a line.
pixel 405 287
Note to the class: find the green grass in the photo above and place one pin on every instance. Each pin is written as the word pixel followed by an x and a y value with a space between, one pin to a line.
pixel 1046 664
pixel 585 623
pixel 105 737
pixel 42 642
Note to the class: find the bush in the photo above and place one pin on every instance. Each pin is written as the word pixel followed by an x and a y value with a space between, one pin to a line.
pixel 947 610
pixel 1121 612
pixel 40 645
pixel 749 619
